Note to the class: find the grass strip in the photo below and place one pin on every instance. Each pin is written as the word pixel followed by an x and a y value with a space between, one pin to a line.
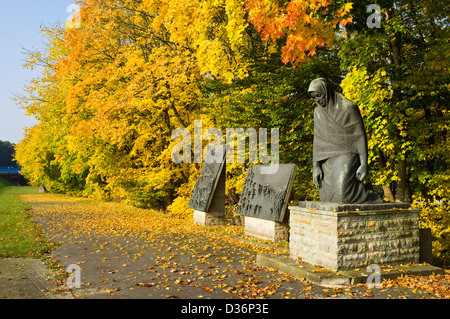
pixel 19 235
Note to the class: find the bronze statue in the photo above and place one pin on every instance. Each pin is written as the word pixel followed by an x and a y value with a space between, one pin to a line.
pixel 340 148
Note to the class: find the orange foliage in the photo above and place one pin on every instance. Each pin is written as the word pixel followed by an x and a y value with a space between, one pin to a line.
pixel 298 20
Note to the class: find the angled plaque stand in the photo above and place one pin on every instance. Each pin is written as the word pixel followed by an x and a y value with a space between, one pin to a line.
pixel 208 197
pixel 264 201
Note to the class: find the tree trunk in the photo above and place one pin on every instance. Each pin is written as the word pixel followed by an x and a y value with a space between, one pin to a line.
pixel 42 189
pixel 401 191
pixel 400 194
pixel 387 190
pixel 234 199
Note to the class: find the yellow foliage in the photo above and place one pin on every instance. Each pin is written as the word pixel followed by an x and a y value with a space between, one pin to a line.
pixel 434 214
pixel 180 209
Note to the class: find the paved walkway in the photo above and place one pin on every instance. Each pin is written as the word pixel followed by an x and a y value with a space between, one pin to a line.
pixel 25 278
pixel 195 265
pixel 165 271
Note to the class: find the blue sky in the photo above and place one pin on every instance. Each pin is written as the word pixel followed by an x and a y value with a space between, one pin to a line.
pixel 20 24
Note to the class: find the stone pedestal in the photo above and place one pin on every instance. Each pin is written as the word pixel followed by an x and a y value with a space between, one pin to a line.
pixel 266 229
pixel 340 237
pixel 207 219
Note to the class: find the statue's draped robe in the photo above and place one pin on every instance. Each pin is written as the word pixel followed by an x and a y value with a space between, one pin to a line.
pixel 339 139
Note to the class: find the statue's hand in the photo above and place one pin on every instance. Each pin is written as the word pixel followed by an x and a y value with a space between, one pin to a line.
pixel 318 176
pixel 361 173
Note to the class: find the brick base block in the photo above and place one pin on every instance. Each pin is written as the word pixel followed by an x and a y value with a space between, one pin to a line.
pixel 266 229
pixel 352 239
pixel 206 219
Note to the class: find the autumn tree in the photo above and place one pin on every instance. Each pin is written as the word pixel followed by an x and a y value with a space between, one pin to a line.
pixel 43 147
pixel 385 68
pixel 6 154
pixel 113 90
pixel 273 95
pixel 288 43
pixel 399 76
pixel 303 26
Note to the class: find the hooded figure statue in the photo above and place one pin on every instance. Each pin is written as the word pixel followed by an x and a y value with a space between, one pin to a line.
pixel 340 148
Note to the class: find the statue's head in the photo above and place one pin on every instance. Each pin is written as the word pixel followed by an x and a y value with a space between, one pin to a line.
pixel 321 91
pixel 319 98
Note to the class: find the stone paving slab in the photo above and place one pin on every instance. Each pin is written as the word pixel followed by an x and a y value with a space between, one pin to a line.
pixel 25 278
pixel 316 275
